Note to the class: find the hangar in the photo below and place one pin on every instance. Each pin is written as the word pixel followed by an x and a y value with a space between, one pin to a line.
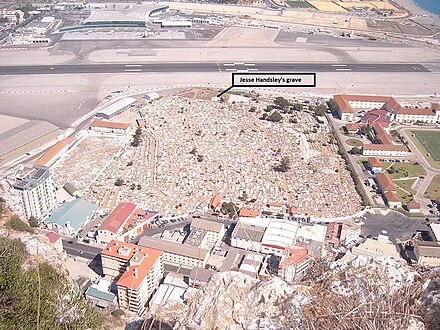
pixel 135 16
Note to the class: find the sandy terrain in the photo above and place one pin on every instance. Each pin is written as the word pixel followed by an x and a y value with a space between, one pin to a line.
pixel 37 56
pixel 7 123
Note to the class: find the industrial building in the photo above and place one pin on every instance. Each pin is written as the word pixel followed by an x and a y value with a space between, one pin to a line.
pixel 54 153
pixel 100 126
pixel 71 216
pixel 115 108
pixel 37 189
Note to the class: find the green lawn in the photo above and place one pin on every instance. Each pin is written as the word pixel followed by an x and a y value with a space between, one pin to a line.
pixel 298 4
pixel 354 142
pixel 406 170
pixel 428 142
pixel 404 197
pixel 433 190
pixel 406 184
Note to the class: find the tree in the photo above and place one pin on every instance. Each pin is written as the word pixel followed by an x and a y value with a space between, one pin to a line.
pixel 321 110
pixel 229 208
pixel 283 166
pixel 275 117
pixel 332 105
pixel 119 182
pixel 15 223
pixel 38 296
pixel 282 103
pixel 33 222
pixel 298 107
pixel 355 151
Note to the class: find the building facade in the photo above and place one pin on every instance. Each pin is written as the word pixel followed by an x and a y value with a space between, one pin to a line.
pixel 37 190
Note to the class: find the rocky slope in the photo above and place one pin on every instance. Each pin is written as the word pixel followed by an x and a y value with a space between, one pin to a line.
pixel 368 294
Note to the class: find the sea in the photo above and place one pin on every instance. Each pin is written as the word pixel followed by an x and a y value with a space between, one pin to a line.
pixel 432 6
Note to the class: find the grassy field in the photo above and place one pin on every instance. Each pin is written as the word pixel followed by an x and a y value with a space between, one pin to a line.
pixel 406 170
pixel 404 197
pixel 433 190
pixel 354 142
pixel 406 184
pixel 298 4
pixel 428 142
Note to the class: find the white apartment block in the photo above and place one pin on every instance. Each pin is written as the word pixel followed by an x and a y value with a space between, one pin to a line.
pixel 176 253
pixel 37 189
pixel 405 115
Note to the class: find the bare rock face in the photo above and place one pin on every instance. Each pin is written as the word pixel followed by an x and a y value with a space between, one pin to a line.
pixel 233 300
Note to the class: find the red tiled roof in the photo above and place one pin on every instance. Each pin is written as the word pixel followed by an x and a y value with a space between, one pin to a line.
pixel 374 162
pixel 413 205
pixel 391 197
pixel 117 217
pixel 52 152
pixel 215 201
pixel 343 104
pixel 378 112
pixel 53 237
pixel 393 103
pixel 293 256
pixel 367 98
pixel 248 213
pixel 414 111
pixel 109 124
pixel 353 127
pixel 385 182
pixel 134 275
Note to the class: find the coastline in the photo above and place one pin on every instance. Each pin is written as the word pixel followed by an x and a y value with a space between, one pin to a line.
pixel 413 8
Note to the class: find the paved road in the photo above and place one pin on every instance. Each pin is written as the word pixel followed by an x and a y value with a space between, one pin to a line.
pixel 80 250
pixel 209 67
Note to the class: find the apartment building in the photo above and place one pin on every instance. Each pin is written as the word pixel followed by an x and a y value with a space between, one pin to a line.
pixel 176 253
pixel 384 150
pixel 385 183
pixel 213 232
pixel 412 115
pixel 138 271
pixel 348 103
pixel 37 190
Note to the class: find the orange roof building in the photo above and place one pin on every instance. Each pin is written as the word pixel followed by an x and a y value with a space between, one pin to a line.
pixel 249 213
pixel 109 127
pixel 392 199
pixel 54 153
pixel 138 270
pixel 385 183
pixel 294 263
pixel 113 225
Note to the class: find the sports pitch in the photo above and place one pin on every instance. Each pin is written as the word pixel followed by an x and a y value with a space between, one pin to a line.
pixel 430 140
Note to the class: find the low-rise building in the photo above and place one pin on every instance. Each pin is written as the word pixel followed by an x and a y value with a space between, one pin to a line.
pixel 294 263
pixel 248 236
pixel 71 216
pixel 435 230
pixel 112 227
pixel 176 253
pixel 387 150
pixel 100 126
pixel 99 294
pixel 199 277
pixel 213 232
pixel 375 165
pixel 56 241
pixel 54 153
pixel 346 104
pixel 427 253
pixel 413 207
pixel 392 200
pixel 412 115
pixel 385 183
pixel 252 264
pixel 380 247
pixel 116 108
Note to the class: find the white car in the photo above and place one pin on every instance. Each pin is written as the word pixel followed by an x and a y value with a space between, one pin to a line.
pixel 91 234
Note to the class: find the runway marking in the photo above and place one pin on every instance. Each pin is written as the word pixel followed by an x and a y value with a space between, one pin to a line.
pixel 133 65
pixel 343 69
pixel 219 68
pixel 339 64
pixel 34 91
pixel 133 70
pixel 231 69
pixel 229 64
pixel 252 70
pixel 249 64
pixel 239 63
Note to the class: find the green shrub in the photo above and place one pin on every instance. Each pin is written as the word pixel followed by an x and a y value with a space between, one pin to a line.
pixel 15 223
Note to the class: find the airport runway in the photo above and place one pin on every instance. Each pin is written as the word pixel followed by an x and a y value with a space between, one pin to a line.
pixel 210 67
